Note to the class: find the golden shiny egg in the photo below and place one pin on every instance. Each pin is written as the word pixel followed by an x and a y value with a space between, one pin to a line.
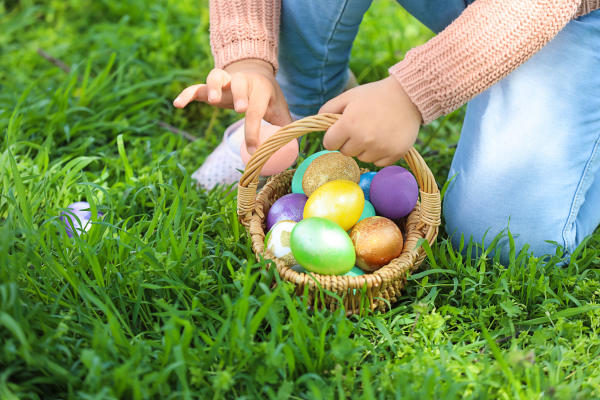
pixel 377 241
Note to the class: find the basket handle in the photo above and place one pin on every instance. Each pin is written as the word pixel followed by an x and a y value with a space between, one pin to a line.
pixel 430 194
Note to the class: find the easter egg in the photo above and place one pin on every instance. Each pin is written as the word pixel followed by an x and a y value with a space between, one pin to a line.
pixel 299 173
pixel 299 268
pixel 322 247
pixel 339 201
pixel 368 211
pixel 365 183
pixel 355 271
pixel 288 207
pixel 77 218
pixel 377 241
pixel 394 192
pixel 280 160
pixel 329 167
pixel 279 241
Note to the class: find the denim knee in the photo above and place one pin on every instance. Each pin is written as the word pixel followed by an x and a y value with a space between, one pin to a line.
pixel 471 216
pixel 528 159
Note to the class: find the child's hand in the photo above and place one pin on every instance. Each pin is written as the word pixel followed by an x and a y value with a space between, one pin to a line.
pixel 246 86
pixel 379 122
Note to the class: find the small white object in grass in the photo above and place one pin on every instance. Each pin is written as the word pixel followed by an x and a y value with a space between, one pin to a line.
pixel 77 218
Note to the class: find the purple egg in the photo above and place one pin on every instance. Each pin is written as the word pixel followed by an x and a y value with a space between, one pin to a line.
pixel 78 219
pixel 288 207
pixel 394 192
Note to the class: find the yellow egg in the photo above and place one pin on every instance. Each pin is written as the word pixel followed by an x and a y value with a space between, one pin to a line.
pixel 340 201
pixel 329 167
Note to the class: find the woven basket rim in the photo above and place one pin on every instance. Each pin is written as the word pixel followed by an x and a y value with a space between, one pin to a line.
pixel 387 281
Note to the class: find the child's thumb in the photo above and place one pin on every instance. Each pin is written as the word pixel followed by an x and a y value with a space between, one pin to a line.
pixel 279 116
pixel 335 105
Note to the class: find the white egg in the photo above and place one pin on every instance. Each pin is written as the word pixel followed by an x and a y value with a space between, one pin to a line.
pixel 279 241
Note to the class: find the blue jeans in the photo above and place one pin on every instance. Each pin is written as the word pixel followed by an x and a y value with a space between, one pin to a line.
pixel 529 154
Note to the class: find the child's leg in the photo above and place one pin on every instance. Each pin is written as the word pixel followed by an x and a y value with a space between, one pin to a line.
pixel 529 152
pixel 435 14
pixel 315 40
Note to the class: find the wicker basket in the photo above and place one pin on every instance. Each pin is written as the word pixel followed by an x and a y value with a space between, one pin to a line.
pixel 383 286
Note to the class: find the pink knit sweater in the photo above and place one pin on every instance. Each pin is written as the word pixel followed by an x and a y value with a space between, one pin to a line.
pixel 484 44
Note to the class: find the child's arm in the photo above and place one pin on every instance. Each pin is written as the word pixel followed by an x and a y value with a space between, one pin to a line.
pixel 484 44
pixel 243 37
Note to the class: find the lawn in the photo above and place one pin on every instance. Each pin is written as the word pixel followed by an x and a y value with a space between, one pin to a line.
pixel 163 297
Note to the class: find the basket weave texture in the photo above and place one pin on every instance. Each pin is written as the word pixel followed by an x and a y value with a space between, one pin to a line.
pixel 382 287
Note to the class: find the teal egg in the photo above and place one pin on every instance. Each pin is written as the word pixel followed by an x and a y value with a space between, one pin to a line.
pixel 355 271
pixel 322 246
pixel 299 174
pixel 300 269
pixel 368 211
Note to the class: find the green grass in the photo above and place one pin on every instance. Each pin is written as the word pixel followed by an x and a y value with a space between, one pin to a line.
pixel 163 299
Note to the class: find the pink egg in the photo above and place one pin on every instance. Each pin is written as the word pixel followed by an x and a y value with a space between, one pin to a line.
pixel 278 162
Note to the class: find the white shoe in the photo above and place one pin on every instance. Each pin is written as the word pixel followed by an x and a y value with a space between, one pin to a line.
pixel 224 165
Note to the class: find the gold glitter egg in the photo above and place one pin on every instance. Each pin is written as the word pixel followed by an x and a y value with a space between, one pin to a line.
pixel 329 167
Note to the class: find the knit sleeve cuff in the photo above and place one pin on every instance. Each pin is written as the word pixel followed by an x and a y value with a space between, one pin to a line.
pixel 245 49
pixel 418 88
pixel 241 29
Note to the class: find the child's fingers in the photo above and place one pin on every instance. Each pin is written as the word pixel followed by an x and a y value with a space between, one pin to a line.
pixel 278 114
pixel 367 156
pixel 216 79
pixel 194 92
pixel 257 107
pixel 200 93
pixel 351 148
pixel 336 136
pixel 384 162
pixel 337 104
pixel 239 91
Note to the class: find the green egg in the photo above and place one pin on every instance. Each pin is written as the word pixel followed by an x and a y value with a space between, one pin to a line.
pixel 299 174
pixel 322 246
